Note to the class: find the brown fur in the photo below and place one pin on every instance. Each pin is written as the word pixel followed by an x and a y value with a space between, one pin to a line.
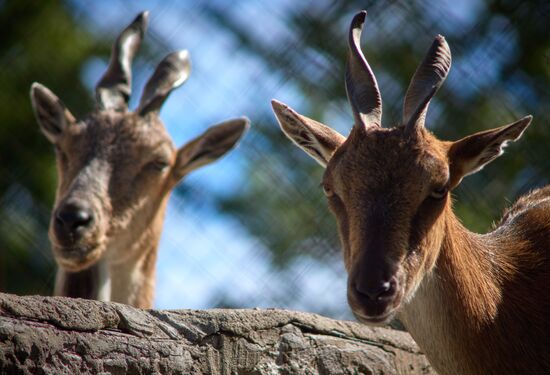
pixel 123 166
pixel 485 301
pixel 476 304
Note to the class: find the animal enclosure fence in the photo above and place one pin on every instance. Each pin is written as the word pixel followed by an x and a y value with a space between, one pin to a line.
pixel 254 229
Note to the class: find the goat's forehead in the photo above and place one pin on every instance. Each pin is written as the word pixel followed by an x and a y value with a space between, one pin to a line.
pixel 124 130
pixel 386 159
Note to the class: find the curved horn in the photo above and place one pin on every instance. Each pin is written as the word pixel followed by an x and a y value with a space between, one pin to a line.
pixel 114 88
pixel 172 71
pixel 361 86
pixel 426 81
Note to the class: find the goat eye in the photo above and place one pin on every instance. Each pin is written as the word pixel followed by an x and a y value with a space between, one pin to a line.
pixel 158 165
pixel 439 193
pixel 327 190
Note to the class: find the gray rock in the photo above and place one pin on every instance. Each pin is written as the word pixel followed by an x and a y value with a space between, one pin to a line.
pixel 56 335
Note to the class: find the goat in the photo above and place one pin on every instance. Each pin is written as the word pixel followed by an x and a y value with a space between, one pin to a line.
pixel 116 169
pixel 476 304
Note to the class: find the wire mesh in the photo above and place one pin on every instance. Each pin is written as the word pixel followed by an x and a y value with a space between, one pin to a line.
pixel 253 229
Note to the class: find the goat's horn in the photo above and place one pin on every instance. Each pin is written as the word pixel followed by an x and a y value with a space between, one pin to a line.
pixel 172 71
pixel 114 88
pixel 426 81
pixel 361 86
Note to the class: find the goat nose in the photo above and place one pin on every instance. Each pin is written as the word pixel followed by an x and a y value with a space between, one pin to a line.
pixel 70 217
pixel 375 291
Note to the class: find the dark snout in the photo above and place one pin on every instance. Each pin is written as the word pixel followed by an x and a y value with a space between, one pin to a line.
pixel 373 290
pixel 71 221
pixel 76 234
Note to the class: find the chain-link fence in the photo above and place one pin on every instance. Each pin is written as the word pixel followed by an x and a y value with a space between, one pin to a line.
pixel 253 229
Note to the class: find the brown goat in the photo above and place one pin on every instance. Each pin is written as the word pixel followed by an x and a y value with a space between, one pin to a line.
pixel 116 170
pixel 476 304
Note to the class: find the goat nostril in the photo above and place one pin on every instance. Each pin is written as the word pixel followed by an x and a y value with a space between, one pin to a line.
pixel 82 218
pixel 384 289
pixel 73 217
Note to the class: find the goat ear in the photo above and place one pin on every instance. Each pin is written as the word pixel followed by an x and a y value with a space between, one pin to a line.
pixel 51 114
pixel 209 146
pixel 318 140
pixel 472 153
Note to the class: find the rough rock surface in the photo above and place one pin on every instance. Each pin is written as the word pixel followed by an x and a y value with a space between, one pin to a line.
pixel 55 335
